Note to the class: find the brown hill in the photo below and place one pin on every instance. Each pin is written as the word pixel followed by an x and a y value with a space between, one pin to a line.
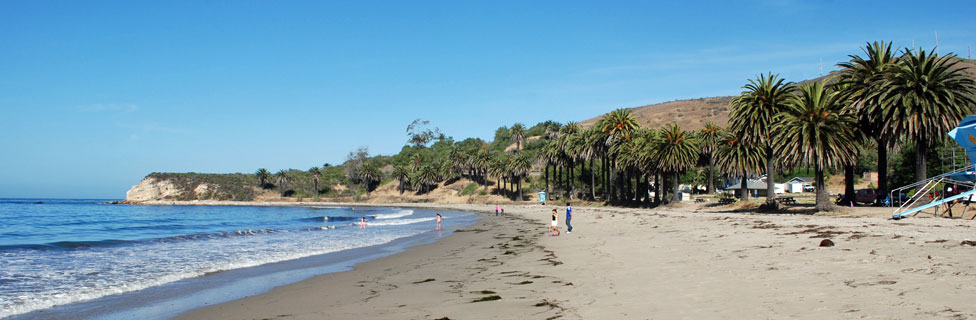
pixel 692 114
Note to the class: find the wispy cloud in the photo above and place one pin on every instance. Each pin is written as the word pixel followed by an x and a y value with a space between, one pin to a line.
pixel 728 56
pixel 110 107
pixel 140 130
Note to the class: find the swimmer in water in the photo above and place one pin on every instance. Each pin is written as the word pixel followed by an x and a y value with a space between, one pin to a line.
pixel 362 223
pixel 439 221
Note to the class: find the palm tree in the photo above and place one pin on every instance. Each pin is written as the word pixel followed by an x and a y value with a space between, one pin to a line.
pixel 815 130
pixel 368 173
pixel 676 151
pixel 550 157
pixel 282 178
pixel 402 175
pixel 520 166
pixel 426 177
pixel 458 161
pixel 752 115
pixel 925 96
pixel 482 162
pixel 647 161
pixel 315 178
pixel 263 175
pixel 416 161
pixel 518 135
pixel 736 156
pixel 861 80
pixel 709 142
pixel 587 151
pixel 618 125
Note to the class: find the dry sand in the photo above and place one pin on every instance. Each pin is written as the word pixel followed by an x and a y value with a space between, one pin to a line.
pixel 691 262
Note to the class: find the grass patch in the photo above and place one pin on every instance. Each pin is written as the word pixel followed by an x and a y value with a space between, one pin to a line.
pixel 469 189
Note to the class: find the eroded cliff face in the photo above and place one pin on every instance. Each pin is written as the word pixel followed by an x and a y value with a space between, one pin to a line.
pixel 191 187
pixel 152 189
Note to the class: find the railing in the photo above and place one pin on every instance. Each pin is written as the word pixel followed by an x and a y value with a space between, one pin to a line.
pixel 892 193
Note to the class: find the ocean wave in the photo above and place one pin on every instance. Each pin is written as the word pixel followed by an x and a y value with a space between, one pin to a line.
pixel 397 222
pixel 334 218
pixel 75 245
pixel 398 214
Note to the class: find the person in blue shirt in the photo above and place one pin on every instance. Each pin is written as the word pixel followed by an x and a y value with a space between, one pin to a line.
pixel 569 216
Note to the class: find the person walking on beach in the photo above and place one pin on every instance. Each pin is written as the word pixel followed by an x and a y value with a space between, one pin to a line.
pixel 438 221
pixel 503 211
pixel 569 216
pixel 554 229
pixel 362 223
pixel 496 210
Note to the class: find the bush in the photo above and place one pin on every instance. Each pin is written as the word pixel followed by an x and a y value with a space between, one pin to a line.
pixel 469 189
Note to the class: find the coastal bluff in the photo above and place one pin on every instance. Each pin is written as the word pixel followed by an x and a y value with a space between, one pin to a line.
pixel 193 186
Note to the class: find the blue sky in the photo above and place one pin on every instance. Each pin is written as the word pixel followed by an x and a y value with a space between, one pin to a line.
pixel 94 95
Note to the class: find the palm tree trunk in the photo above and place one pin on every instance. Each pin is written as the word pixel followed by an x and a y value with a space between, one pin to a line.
pixel 744 189
pixel 675 185
pixel 520 189
pixel 882 170
pixel 547 177
pixel 823 200
pixel 603 177
pixel 710 187
pixel 658 186
pixel 592 181
pixel 848 183
pixel 569 182
pixel 920 161
pixel 770 178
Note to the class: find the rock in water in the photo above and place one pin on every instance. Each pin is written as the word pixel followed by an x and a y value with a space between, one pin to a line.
pixel 826 243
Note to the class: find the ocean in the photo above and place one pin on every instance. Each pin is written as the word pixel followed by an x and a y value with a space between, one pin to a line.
pixel 58 253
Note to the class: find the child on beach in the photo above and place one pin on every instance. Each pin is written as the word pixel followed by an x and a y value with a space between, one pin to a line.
pixel 362 223
pixel 569 217
pixel 555 225
pixel 503 211
pixel 438 221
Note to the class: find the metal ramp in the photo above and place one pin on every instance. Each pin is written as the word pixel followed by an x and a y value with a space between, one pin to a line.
pixel 948 188
pixel 936 203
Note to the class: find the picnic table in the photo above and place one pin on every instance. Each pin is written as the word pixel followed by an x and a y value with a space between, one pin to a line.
pixel 726 200
pixel 785 200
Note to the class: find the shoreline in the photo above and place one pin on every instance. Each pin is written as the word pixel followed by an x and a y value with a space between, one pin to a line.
pixel 638 263
pixel 155 302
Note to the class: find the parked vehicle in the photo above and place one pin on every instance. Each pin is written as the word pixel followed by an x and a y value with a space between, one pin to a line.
pixel 865 195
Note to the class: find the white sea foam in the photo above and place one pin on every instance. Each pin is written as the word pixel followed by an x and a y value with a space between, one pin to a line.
pixel 398 222
pixel 398 214
pixel 33 280
pixel 125 269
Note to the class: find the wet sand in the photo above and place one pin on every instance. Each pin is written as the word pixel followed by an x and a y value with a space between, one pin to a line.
pixel 691 262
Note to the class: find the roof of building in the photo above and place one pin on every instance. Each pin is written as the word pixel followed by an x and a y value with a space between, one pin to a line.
pixel 800 179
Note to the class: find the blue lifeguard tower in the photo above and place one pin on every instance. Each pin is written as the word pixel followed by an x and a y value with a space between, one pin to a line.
pixel 958 185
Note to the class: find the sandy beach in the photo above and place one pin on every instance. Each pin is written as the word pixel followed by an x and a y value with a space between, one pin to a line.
pixel 666 263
